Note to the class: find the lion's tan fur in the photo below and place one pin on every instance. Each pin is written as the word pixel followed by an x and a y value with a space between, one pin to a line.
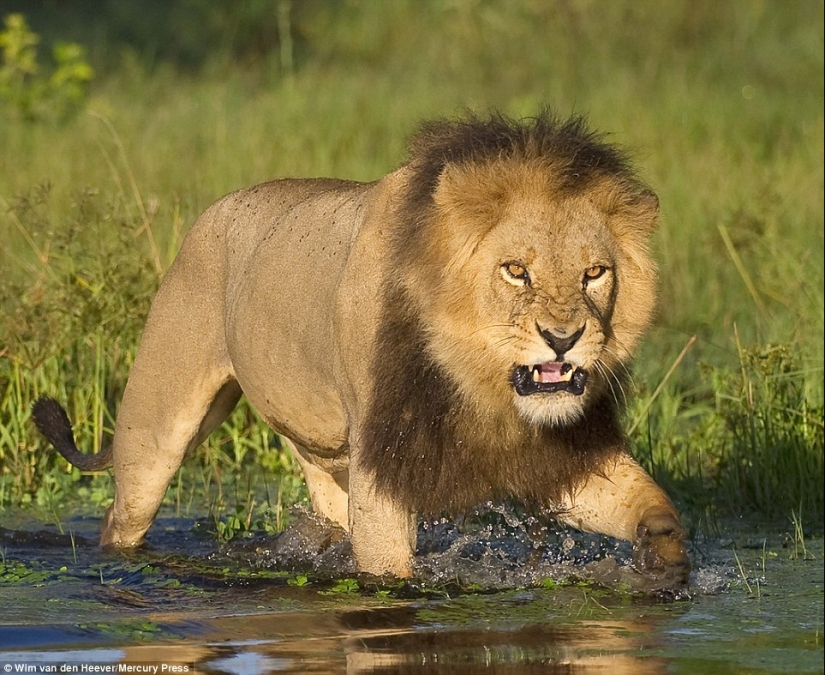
pixel 375 326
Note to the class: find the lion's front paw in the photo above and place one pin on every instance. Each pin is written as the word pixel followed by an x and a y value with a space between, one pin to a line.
pixel 659 551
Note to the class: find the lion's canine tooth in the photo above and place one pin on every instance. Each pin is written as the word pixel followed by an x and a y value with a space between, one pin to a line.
pixel 536 373
pixel 566 372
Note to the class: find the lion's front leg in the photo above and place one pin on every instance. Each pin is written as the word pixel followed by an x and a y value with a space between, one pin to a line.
pixel 626 503
pixel 382 533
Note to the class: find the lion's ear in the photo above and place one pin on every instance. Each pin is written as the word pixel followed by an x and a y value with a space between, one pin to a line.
pixel 637 212
pixel 473 195
pixel 649 201
pixel 451 186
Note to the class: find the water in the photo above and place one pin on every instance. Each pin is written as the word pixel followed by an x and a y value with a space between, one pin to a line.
pixel 501 592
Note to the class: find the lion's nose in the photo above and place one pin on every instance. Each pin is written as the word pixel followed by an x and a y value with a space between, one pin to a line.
pixel 560 341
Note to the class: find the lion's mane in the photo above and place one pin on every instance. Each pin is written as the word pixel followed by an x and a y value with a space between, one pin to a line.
pixel 431 447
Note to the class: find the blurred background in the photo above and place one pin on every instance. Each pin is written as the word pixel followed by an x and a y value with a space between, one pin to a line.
pixel 120 121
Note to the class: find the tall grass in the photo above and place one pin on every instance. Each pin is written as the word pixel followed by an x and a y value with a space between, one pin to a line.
pixel 723 102
pixel 750 441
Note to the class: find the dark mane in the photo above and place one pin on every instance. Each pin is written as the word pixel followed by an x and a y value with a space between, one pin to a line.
pixel 427 446
pixel 576 153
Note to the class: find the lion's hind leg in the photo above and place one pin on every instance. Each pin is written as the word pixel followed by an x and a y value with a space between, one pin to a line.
pixel 148 451
pixel 181 387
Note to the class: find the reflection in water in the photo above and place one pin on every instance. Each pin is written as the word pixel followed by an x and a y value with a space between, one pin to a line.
pixel 534 648
pixel 396 640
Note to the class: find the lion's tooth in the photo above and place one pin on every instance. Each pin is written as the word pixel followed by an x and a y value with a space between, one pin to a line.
pixel 566 372
pixel 536 373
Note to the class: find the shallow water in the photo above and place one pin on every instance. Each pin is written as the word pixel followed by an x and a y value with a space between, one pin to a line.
pixel 501 593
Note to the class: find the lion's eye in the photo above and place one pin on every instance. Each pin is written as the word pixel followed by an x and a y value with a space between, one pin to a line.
pixel 515 273
pixel 593 273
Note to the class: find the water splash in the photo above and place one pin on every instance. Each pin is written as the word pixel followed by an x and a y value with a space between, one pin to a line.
pixel 493 547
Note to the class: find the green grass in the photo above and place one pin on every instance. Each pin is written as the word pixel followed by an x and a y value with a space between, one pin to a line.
pixel 722 102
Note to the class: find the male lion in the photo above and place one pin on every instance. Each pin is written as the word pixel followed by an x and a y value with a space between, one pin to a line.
pixel 455 332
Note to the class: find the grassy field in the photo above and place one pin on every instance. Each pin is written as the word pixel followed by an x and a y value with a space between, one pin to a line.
pixel 722 104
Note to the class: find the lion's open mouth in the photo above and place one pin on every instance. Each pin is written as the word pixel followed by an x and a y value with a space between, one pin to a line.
pixel 546 378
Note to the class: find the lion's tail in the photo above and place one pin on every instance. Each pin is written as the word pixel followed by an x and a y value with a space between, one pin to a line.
pixel 53 422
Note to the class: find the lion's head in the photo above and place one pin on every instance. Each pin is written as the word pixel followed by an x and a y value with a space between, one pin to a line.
pixel 530 268
pixel 522 257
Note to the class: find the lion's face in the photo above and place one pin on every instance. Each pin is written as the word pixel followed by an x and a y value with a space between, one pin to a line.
pixel 547 296
pixel 538 299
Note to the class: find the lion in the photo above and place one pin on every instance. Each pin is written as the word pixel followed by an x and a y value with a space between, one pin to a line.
pixel 456 332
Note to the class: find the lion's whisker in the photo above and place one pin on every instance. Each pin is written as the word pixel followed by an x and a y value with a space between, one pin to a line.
pixel 610 377
pixel 601 370
pixel 618 362
pixel 491 327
